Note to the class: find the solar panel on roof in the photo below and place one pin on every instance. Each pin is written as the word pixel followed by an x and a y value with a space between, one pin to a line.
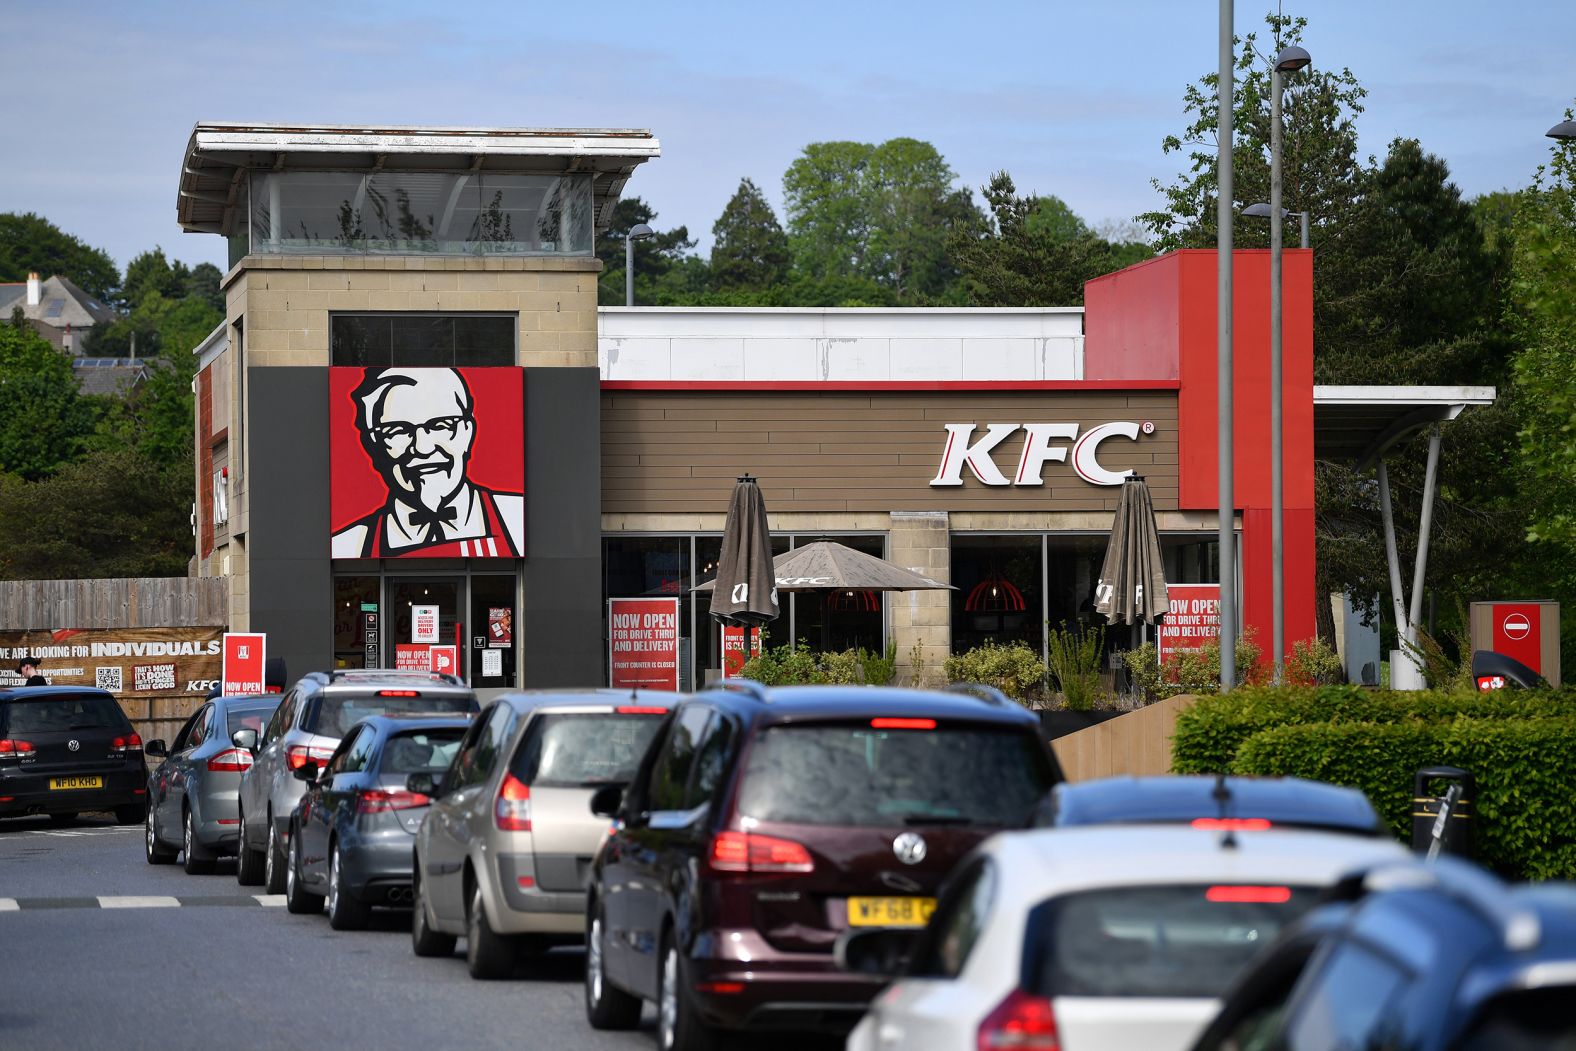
pixel 54 308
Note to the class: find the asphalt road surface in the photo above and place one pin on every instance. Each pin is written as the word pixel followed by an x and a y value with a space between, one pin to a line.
pixel 99 949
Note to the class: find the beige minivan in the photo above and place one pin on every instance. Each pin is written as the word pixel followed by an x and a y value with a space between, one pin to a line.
pixel 503 854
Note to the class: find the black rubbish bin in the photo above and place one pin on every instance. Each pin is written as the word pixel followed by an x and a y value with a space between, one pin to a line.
pixel 1443 823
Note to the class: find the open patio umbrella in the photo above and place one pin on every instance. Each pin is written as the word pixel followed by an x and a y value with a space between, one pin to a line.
pixel 826 565
pixel 1132 585
pixel 748 592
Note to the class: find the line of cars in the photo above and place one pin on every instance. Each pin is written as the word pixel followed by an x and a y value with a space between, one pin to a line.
pixel 829 858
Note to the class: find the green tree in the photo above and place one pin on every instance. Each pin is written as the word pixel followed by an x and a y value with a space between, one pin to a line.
pixel 749 249
pixel 203 283
pixel 151 272
pixel 655 256
pixel 1034 252
pixel 43 422
pixel 30 243
pixel 879 212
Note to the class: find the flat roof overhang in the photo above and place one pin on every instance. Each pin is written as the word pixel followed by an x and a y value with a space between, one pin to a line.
pixel 1358 425
pixel 219 153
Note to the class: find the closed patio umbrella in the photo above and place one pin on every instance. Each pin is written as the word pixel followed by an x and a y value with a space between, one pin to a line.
pixel 746 588
pixel 1132 585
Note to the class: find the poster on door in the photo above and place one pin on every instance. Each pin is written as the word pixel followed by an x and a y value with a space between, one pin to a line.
pixel 1193 620
pixel 424 624
pixel 733 657
pixel 410 656
pixel 444 660
pixel 500 627
pixel 643 643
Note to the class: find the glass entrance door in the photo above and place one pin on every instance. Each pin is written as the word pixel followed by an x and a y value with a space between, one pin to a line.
pixel 413 628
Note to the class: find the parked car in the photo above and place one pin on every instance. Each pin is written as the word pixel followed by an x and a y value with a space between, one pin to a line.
pixel 503 853
pixel 353 831
pixel 193 793
pixel 1430 957
pixel 1103 938
pixel 66 749
pixel 766 822
pixel 1217 803
pixel 306 728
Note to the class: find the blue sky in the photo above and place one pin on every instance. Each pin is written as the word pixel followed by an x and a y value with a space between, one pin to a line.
pixel 1071 98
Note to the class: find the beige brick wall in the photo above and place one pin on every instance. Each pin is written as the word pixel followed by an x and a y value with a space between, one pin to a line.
pixel 921 541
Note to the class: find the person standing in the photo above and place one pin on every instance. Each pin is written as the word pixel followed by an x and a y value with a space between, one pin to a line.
pixel 30 668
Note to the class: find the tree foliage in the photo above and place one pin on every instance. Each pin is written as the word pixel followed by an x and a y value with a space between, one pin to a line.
pixel 30 243
pixel 749 249
pixel 44 423
pixel 656 257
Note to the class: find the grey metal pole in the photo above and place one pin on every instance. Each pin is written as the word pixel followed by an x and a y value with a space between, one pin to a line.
pixel 1424 526
pixel 1304 217
pixel 1223 217
pixel 629 271
pixel 1277 537
pixel 1392 559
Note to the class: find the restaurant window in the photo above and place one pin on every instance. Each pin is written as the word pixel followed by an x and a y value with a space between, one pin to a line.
pixel 354 598
pixel 650 567
pixel 420 213
pixel 998 596
pixel 408 340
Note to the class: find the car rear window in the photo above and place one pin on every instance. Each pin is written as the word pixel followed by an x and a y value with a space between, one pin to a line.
pixel 337 713
pixel 421 751
pixel 249 718
pixel 61 713
pixel 1184 940
pixel 856 774
pixel 583 749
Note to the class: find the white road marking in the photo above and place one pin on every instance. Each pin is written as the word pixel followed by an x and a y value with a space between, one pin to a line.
pixel 9 905
pixel 270 900
pixel 138 901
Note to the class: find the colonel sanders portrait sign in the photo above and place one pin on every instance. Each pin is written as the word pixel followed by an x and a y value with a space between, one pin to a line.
pixel 427 463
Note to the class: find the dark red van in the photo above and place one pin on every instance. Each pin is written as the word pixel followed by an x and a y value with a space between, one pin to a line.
pixel 763 823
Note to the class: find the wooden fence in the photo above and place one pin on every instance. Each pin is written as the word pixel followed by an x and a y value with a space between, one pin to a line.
pixel 1136 744
pixel 123 602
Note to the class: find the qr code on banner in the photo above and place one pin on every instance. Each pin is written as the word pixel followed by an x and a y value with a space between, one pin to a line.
pixel 108 679
pixel 153 677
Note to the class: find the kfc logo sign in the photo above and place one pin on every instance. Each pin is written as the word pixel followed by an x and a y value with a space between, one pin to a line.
pixel 1043 443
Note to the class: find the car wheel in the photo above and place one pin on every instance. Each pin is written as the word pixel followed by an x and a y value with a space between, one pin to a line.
pixel 249 863
pixel 297 898
pixel 679 1027
pixel 157 853
pixel 424 941
pixel 346 912
pixel 198 861
pixel 488 953
pixel 273 861
pixel 606 1006
pixel 130 814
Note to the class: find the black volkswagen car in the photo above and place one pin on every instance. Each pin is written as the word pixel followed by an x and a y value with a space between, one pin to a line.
pixel 66 749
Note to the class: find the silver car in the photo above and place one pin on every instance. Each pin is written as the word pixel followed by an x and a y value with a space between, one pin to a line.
pixel 306 728
pixel 503 855
pixel 193 794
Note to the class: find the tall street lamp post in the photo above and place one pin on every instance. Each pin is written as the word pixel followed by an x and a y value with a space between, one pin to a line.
pixel 1262 211
pixel 638 232
pixel 1226 83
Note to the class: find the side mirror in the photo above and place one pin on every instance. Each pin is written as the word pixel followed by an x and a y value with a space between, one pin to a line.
pixel 425 784
pixel 883 951
pixel 305 772
pixel 156 748
pixel 605 801
pixel 244 738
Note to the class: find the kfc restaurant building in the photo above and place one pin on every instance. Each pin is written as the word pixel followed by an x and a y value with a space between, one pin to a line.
pixel 415 427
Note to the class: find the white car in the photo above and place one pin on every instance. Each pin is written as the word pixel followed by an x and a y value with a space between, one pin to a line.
pixel 1097 938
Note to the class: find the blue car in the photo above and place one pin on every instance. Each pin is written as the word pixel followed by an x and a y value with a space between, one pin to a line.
pixel 1240 804
pixel 352 836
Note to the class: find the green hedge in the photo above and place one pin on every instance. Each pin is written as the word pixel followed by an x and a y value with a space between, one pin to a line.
pixel 1209 733
pixel 1524 820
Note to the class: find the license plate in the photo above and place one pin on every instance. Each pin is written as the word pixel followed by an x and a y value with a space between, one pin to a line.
pixel 56 783
pixel 890 912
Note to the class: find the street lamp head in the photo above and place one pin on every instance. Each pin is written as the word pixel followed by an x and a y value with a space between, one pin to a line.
pixel 1291 59
pixel 1261 211
pixel 639 232
pixel 1565 129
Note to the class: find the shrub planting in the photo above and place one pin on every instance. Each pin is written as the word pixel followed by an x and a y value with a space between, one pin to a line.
pixel 1014 669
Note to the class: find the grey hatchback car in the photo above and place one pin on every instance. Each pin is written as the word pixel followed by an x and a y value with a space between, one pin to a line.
pixel 193 794
pixel 306 728
pixel 504 852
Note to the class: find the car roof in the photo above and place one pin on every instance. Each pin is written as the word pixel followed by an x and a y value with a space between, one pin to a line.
pixel 411 721
pixel 590 697
pixel 1042 863
pixel 786 704
pixel 250 699
pixel 357 679
pixel 1286 801
pixel 34 693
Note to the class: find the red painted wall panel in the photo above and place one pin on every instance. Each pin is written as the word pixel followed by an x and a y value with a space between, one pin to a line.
pixel 1130 323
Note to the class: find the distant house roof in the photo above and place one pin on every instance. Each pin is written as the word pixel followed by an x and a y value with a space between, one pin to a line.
pixel 220 153
pixel 108 375
pixel 60 304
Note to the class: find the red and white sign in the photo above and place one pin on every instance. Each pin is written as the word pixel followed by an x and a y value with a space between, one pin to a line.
pixel 733 657
pixel 643 643
pixel 245 657
pixel 500 627
pixel 1193 620
pixel 1517 631
pixel 424 624
pixel 427 462
pixel 410 656
pixel 1043 443
pixel 445 660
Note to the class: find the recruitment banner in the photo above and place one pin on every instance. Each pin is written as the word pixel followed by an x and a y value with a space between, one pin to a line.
pixel 129 662
pixel 733 657
pixel 1193 620
pixel 643 643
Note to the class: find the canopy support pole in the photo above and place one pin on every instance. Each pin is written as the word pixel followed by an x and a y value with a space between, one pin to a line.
pixel 1424 526
pixel 1387 517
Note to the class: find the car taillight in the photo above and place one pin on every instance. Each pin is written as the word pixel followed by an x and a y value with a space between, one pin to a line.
pixel 751 852
pixel 12 746
pixel 1232 824
pixel 126 743
pixel 1249 895
pixel 231 760
pixel 1020 1021
pixel 512 811
pixel 377 800
pixel 298 755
